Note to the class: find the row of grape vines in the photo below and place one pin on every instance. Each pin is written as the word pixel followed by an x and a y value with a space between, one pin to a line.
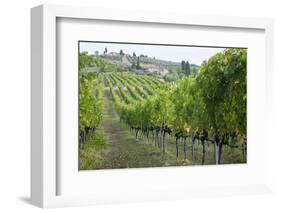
pixel 90 104
pixel 208 109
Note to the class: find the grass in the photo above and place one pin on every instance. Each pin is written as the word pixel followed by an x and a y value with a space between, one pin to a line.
pixel 90 152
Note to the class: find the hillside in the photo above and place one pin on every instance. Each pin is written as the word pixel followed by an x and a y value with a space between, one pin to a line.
pixel 142 64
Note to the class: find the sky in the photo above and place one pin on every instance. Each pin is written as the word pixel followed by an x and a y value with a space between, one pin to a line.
pixel 194 55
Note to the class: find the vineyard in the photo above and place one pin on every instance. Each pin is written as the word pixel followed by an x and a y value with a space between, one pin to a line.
pixel 133 121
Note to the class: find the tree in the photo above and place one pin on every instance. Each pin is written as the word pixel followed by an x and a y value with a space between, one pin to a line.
pixel 121 52
pixel 96 52
pixel 182 66
pixel 187 68
pixel 85 60
pixel 134 54
pixel 172 76
pixel 138 63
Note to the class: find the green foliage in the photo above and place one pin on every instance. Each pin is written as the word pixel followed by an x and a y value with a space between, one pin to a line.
pixel 91 106
pixel 85 60
pixel 222 88
pixel 214 99
pixel 187 68
pixel 183 66
pixel 210 99
pixel 138 63
pixel 172 76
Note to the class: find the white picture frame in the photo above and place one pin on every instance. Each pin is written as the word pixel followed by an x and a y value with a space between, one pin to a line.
pixel 44 154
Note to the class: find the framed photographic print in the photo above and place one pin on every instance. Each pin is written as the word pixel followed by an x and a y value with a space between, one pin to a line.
pixel 149 106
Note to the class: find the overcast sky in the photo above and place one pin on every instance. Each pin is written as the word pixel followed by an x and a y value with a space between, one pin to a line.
pixel 195 55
